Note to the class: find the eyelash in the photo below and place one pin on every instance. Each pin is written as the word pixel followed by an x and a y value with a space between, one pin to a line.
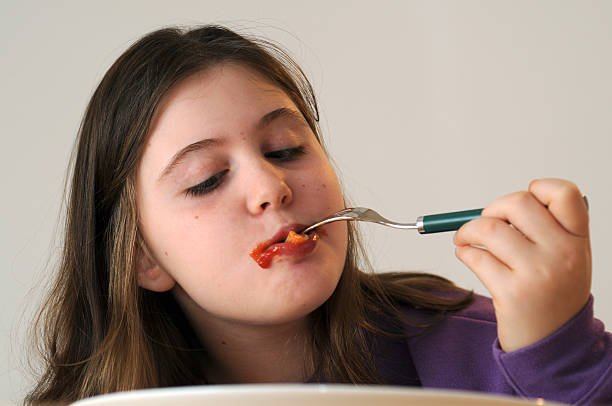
pixel 210 184
pixel 286 155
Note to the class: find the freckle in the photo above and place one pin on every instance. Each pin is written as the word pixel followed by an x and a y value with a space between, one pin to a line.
pixel 196 217
pixel 223 342
pixel 166 253
pixel 324 186
pixel 303 185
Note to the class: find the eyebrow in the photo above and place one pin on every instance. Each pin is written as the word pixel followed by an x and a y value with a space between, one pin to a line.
pixel 283 112
pixel 196 146
pixel 264 121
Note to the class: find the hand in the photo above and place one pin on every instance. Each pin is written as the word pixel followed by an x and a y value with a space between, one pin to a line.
pixel 531 250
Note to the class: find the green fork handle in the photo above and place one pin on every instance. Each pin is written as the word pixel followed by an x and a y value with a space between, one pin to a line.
pixel 437 223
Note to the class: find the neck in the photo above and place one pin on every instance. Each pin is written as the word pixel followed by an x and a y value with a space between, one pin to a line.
pixel 250 353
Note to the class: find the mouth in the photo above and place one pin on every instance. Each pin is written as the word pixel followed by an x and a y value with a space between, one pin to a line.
pixel 286 242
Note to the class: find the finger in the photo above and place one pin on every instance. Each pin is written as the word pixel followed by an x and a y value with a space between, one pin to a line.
pixel 507 244
pixel 525 212
pixel 565 203
pixel 493 274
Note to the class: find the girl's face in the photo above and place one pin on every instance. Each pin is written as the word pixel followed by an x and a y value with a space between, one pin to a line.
pixel 230 162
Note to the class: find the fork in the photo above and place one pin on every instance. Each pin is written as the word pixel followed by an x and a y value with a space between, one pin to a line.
pixel 434 223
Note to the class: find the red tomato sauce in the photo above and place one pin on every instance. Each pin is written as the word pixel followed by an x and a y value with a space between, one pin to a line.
pixel 266 251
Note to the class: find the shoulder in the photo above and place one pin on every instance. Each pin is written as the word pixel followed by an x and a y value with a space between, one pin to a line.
pixel 481 309
pixel 432 347
pixel 479 314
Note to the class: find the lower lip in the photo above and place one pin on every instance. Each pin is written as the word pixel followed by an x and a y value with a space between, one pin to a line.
pixel 264 253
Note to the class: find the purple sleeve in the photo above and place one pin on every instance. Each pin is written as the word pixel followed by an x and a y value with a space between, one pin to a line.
pixel 573 365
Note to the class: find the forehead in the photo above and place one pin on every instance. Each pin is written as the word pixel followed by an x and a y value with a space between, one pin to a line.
pixel 224 86
pixel 220 101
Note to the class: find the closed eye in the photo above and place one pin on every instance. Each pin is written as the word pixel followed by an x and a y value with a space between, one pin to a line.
pixel 286 155
pixel 208 185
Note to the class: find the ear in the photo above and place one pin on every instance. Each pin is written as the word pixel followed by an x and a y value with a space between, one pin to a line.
pixel 150 275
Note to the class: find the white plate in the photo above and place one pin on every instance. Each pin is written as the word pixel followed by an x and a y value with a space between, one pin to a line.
pixel 300 395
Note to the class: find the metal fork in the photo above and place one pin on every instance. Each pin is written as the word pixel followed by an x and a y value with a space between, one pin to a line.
pixel 434 223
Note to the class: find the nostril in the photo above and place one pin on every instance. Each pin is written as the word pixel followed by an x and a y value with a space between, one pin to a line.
pixel 283 199
pixel 264 205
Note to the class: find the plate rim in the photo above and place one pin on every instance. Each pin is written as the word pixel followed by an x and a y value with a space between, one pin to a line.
pixel 312 389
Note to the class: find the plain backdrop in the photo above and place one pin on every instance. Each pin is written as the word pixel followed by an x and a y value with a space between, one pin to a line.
pixel 426 106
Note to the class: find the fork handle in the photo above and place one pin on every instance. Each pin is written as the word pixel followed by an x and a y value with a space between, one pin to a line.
pixel 437 223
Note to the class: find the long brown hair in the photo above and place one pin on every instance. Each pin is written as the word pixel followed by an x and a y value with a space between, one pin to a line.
pixel 98 331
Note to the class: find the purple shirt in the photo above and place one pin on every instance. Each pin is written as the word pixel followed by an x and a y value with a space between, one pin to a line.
pixel 573 365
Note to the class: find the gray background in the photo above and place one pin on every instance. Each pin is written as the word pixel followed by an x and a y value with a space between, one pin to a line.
pixel 427 106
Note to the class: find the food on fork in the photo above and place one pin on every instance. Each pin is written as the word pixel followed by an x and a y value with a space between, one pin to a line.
pixel 296 238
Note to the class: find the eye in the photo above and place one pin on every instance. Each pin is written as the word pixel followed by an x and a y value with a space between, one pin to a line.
pixel 208 185
pixel 286 155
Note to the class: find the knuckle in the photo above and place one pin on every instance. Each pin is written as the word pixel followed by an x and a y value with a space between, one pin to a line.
pixel 568 190
pixel 489 227
pixel 570 256
pixel 522 198
pixel 534 183
pixel 471 256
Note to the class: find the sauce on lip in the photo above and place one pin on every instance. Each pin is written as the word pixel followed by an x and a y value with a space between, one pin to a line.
pixel 295 245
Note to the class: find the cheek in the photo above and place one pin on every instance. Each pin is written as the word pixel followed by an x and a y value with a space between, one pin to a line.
pixel 324 188
pixel 188 244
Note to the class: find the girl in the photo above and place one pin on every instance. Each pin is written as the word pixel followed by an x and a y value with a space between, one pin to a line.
pixel 200 149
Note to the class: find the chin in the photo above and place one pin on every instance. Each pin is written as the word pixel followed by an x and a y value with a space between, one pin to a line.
pixel 298 308
pixel 287 316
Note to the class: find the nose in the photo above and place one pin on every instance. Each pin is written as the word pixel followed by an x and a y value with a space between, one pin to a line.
pixel 268 189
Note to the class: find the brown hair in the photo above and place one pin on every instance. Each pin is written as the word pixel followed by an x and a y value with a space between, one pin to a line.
pixel 99 332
